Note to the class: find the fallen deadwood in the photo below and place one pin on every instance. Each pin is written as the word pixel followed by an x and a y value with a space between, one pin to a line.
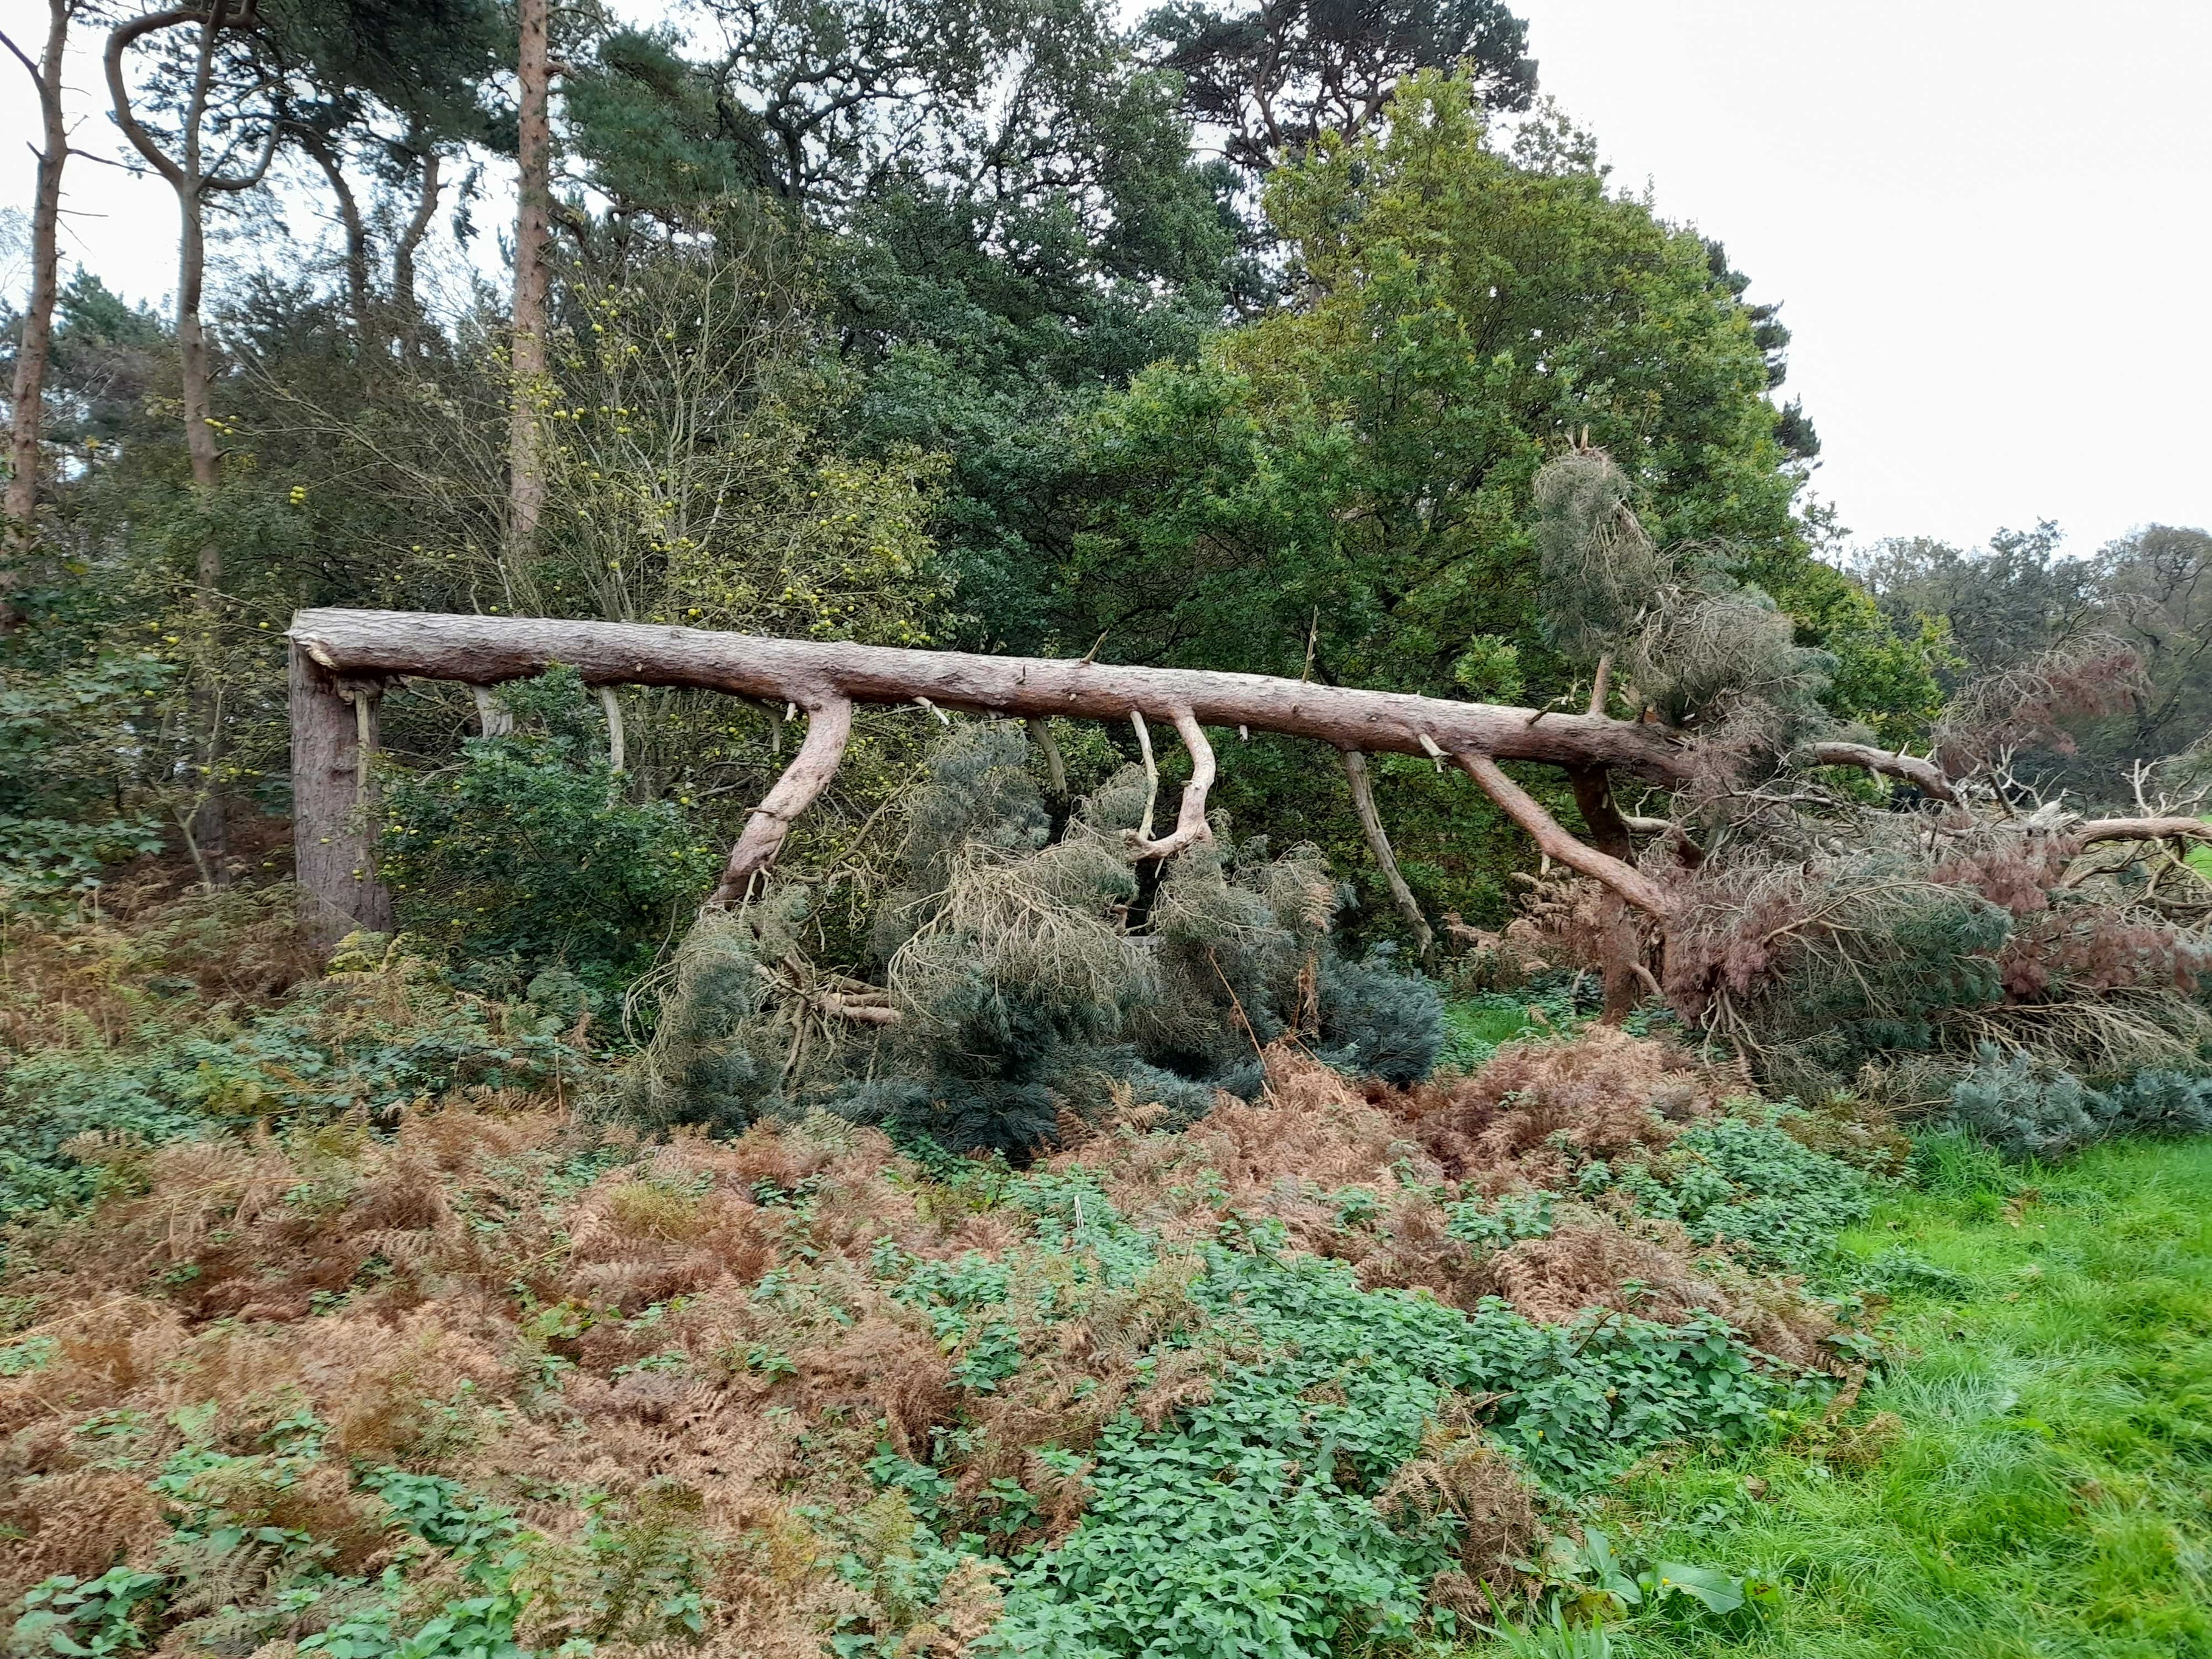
pixel 359 650
pixel 486 650
pixel 342 657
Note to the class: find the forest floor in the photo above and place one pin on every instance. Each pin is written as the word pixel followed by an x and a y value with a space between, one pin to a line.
pixel 339 1314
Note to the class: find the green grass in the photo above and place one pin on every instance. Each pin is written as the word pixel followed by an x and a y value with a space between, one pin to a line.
pixel 2050 1490
pixel 1475 1027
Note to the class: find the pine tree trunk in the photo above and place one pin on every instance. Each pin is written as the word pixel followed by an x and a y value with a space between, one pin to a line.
pixel 405 300
pixel 532 230
pixel 356 233
pixel 32 354
pixel 333 833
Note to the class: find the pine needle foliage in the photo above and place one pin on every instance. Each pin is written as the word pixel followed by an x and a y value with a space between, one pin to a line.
pixel 1031 976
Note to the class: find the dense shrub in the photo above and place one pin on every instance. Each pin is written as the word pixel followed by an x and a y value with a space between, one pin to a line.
pixel 525 855
pixel 2028 1109
pixel 61 816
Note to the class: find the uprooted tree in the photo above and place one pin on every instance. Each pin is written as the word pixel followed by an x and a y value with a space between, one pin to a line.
pixel 1768 885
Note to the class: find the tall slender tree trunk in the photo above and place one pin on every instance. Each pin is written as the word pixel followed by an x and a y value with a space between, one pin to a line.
pixel 30 356
pixel 404 302
pixel 188 178
pixel 211 823
pixel 356 233
pixel 526 501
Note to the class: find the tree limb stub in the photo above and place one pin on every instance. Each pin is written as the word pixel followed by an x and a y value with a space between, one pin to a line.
pixel 486 650
pixel 828 725
pixel 1191 827
pixel 1517 803
pixel 1896 764
pixel 1378 843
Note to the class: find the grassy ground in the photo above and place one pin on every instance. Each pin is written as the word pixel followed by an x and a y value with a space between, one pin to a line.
pixel 2043 1484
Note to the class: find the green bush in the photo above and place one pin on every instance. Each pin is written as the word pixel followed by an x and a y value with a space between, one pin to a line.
pixel 526 857
pixel 61 816
pixel 1031 973
pixel 2025 1109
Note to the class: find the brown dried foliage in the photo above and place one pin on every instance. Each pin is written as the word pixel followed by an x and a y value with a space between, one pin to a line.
pixel 538 1305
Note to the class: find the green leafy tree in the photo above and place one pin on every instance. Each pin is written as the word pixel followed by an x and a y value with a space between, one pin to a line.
pixel 1281 75
pixel 1342 489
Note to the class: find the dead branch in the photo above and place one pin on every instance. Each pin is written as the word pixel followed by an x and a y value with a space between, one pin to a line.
pixel 1191 827
pixel 1517 803
pixel 1378 843
pixel 828 725
pixel 1867 758
pixel 2096 829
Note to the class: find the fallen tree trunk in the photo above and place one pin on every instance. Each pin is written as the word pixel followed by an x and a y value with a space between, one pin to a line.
pixel 366 648
pixel 486 650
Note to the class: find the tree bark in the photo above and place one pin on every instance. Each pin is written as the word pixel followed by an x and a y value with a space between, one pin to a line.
pixel 1608 829
pixel 488 650
pixel 526 501
pixel 1379 844
pixel 191 181
pixel 34 349
pixel 333 832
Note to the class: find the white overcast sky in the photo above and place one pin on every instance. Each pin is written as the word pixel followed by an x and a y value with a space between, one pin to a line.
pixel 1990 222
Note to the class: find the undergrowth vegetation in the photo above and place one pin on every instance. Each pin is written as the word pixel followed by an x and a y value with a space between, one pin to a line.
pixel 351 1320
pixel 349 1312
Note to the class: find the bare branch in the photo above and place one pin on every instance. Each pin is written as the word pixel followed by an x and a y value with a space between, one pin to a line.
pixel 1517 803
pixel 2096 829
pixel 1191 826
pixel 828 725
pixel 1867 759
pixel 1603 684
pixel 1378 843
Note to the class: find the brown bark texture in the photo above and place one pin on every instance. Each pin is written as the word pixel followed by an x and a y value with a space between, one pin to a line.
pixel 525 502
pixel 34 351
pixel 333 832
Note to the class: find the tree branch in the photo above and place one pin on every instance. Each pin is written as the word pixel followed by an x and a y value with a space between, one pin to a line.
pixel 2097 829
pixel 1930 776
pixel 828 725
pixel 1517 803
pixel 1191 826
pixel 120 40
pixel 1378 843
